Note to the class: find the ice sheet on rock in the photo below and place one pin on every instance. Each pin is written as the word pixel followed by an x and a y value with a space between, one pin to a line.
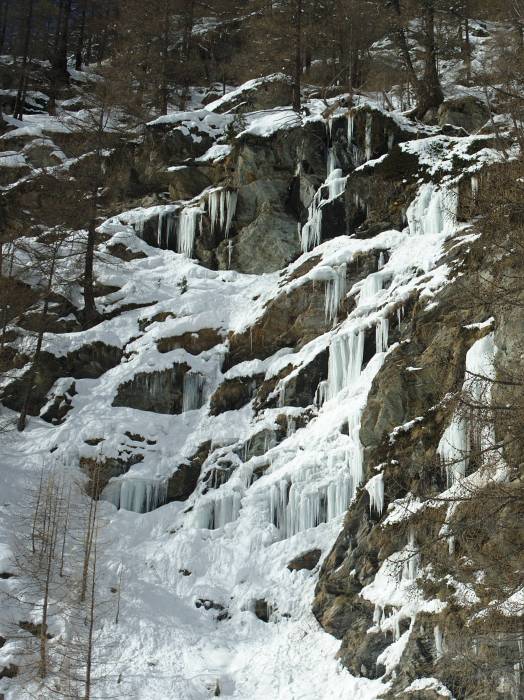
pixel 135 494
pixel 434 211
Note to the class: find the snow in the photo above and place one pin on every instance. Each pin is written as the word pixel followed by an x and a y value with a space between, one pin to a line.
pixel 236 538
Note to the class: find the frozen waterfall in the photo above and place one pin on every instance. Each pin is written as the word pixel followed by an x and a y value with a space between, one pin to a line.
pixel 140 495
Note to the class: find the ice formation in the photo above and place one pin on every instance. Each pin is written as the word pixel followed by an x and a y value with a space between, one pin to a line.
pixel 411 555
pixel 193 390
pixel 188 223
pixel 369 136
pixel 334 185
pixel 434 211
pixel 375 488
pixel 300 505
pixel 311 233
pixel 371 286
pixel 381 335
pixel 346 354
pixel 453 449
pixel 221 205
pixel 439 642
pixel 335 291
pixel 217 512
pixel 136 494
pixel 165 229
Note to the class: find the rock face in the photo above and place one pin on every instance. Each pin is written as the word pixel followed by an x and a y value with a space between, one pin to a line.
pixel 159 392
pixel 265 366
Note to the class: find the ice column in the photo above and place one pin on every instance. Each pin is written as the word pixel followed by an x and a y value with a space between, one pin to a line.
pixel 434 211
pixel 136 494
pixel 186 232
pixel 381 335
pixel 192 391
pixel 335 291
pixel 453 448
pixel 346 354
pixel 222 205
pixel 369 136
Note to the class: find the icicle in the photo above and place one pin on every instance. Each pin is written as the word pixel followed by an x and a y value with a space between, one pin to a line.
pixel 321 394
pixel 216 513
pixel 221 206
pixel 311 233
pixel 381 335
pixel 192 391
pixel 369 136
pixel 439 642
pixel 381 260
pixel 411 564
pixel 373 284
pixel 336 183
pixel 453 449
pixel 291 426
pixel 355 454
pixel 396 628
pixel 391 141
pixel 377 615
pixel 231 205
pixel 399 316
pixel 335 291
pixel 346 355
pixel 474 187
pixel 375 488
pixel 186 232
pixel 281 400
pixel 331 162
pixel 160 229
pixel 351 127
pixel 229 253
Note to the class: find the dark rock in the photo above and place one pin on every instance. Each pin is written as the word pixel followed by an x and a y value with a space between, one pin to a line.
pixel 159 392
pixel 262 610
pixel 194 343
pixel 183 482
pixel 307 560
pixel 234 393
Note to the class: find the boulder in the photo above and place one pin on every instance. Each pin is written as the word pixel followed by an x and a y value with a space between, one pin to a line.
pixel 466 111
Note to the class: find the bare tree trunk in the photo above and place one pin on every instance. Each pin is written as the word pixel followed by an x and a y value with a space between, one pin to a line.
pixel 91 619
pixel 467 50
pixel 81 37
pixel 188 29
pixel 432 95
pixel 3 27
pixel 50 539
pixel 90 312
pixel 18 111
pixel 297 98
pixel 22 419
